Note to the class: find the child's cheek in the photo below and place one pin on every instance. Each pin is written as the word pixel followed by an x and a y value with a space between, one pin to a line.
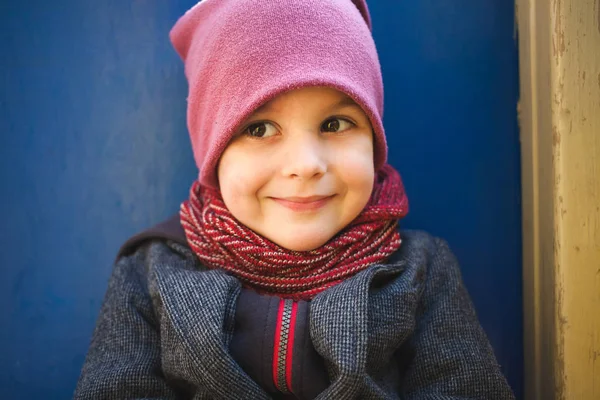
pixel 240 179
pixel 234 183
pixel 356 160
pixel 237 193
pixel 233 168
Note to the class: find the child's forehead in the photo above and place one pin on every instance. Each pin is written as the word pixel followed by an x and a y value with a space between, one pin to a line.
pixel 325 96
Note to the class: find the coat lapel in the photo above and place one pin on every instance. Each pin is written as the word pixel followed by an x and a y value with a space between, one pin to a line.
pixel 339 327
pixel 199 308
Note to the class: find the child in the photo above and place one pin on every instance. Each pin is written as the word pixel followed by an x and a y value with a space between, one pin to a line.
pixel 285 275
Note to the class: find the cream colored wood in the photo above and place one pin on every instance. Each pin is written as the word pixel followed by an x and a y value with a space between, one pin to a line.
pixel 559 113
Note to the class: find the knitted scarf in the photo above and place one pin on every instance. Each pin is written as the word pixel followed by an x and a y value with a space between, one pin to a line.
pixel 221 242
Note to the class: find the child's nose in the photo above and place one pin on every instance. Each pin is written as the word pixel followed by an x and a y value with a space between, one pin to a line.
pixel 304 158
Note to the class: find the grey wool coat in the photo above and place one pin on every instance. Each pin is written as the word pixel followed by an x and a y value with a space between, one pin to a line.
pixel 405 329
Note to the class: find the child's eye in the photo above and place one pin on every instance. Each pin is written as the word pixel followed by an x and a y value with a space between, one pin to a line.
pixel 336 125
pixel 260 130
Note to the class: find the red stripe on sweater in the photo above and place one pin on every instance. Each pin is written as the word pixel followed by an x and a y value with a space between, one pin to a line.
pixel 290 347
pixel 276 346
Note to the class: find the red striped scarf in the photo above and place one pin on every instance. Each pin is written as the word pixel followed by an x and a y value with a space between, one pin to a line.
pixel 221 242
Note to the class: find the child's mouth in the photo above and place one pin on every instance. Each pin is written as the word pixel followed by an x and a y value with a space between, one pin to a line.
pixel 304 203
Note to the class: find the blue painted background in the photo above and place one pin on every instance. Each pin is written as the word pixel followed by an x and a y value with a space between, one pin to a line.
pixel 95 148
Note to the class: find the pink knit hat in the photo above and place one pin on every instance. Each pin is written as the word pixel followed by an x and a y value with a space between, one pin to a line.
pixel 239 54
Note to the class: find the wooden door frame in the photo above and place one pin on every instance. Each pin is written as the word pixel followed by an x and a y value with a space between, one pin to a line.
pixel 559 116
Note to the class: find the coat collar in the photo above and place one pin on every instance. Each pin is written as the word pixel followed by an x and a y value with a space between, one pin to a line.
pixel 199 309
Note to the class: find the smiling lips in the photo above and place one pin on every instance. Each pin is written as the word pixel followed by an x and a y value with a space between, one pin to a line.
pixel 303 203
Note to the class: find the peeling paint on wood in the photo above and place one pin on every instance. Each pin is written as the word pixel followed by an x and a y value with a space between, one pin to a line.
pixel 576 215
pixel 558 38
pixel 559 47
pixel 598 13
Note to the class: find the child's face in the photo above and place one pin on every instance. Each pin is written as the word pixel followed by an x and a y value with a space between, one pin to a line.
pixel 301 168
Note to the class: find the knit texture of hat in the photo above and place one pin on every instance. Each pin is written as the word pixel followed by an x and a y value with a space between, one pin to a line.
pixel 239 54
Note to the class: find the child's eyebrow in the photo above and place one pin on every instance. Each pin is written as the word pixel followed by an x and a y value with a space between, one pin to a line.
pixel 345 102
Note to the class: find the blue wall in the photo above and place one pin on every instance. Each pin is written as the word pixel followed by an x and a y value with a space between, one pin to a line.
pixel 94 148
pixel 451 78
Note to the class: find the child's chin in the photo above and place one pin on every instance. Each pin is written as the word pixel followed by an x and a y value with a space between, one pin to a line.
pixel 301 243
